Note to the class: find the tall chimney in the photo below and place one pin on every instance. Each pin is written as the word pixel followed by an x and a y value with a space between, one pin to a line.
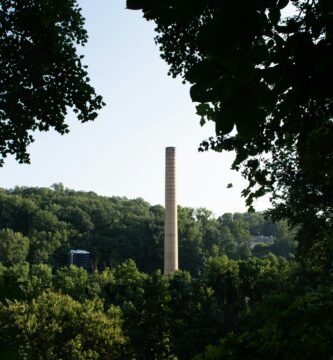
pixel 170 224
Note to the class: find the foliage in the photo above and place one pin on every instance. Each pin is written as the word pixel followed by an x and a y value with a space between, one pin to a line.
pixel 41 72
pixel 44 304
pixel 13 247
pixel 72 281
pixel 52 221
pixel 49 314
pixel 288 325
pixel 54 326
pixel 263 78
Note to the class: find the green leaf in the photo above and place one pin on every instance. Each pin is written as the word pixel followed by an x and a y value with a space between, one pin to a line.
pixel 206 112
pixel 260 52
pixel 248 121
pixel 241 156
pixel 230 59
pixel 228 87
pixel 215 37
pixel 135 4
pixel 202 109
pixel 301 43
pixel 225 120
pixel 264 97
pixel 204 92
pixel 282 3
pixel 274 15
pixel 206 70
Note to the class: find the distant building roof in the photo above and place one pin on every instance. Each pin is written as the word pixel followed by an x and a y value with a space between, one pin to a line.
pixel 79 251
pixel 260 239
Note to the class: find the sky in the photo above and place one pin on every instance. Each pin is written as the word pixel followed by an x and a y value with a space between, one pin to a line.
pixel 122 152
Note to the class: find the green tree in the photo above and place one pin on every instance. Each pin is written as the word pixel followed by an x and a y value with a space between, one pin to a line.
pixel 42 75
pixel 16 212
pixel 153 339
pixel 72 281
pixel 255 222
pixel 128 284
pixel 14 247
pixel 40 279
pixel 211 232
pixel 262 78
pixel 43 244
pixel 286 325
pixel 222 275
pixel 190 241
pixel 15 282
pixel 54 326
pixel 236 234
pixel 259 277
pixel 229 245
pixel 78 218
pixel 196 316
pixel 242 236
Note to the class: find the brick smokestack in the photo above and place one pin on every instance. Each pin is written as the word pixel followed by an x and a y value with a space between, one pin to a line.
pixel 170 224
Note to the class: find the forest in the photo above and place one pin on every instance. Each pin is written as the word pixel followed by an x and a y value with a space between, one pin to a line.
pixel 124 307
pixel 41 225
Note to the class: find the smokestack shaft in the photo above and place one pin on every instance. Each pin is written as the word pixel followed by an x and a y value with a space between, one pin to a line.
pixel 171 226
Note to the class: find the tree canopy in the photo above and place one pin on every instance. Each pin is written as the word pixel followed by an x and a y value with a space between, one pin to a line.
pixel 233 298
pixel 263 77
pixel 40 225
pixel 122 313
pixel 41 72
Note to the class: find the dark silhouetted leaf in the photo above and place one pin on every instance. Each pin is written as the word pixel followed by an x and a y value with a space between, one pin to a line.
pixel 274 15
pixel 225 120
pixel 135 4
pixel 206 70
pixel 282 3
pixel 203 92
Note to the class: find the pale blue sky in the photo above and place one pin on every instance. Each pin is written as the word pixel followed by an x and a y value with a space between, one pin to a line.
pixel 122 152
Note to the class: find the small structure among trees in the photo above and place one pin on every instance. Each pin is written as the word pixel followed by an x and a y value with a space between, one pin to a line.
pixel 80 258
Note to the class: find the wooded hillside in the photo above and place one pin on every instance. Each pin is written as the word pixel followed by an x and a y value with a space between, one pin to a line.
pixel 41 225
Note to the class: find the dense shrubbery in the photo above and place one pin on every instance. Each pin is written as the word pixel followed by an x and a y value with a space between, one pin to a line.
pixel 124 313
pixel 237 309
